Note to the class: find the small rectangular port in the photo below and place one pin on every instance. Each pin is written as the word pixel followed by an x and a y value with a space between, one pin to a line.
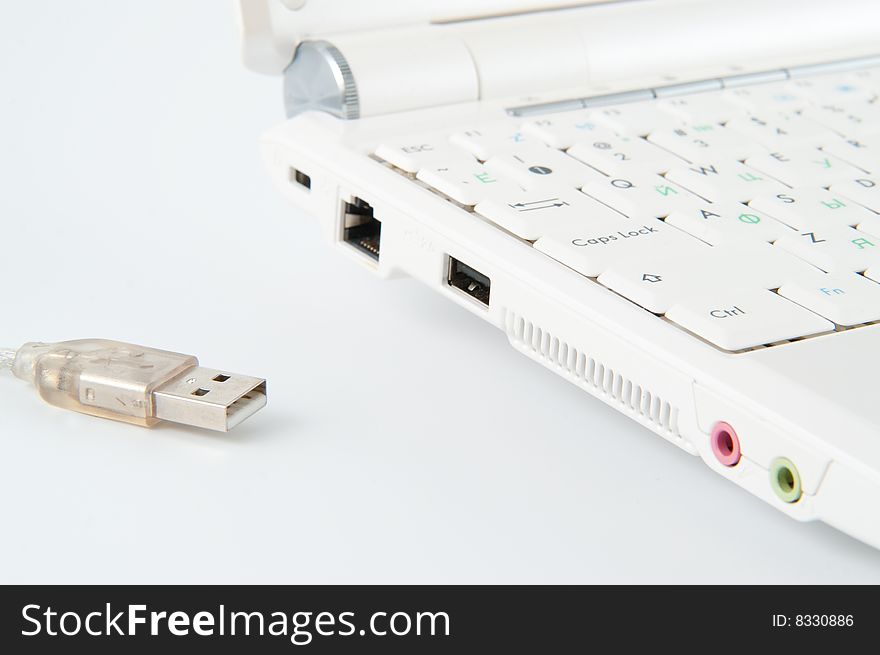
pixel 300 178
pixel 468 280
pixel 360 228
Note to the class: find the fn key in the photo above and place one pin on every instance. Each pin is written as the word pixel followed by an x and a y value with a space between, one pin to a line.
pixel 735 320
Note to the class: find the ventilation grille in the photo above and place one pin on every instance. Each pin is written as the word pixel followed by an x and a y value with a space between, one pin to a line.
pixel 596 376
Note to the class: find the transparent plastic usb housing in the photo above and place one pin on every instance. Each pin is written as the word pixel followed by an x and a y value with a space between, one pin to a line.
pixel 138 385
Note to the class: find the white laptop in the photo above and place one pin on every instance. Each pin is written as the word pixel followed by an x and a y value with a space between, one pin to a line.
pixel 673 204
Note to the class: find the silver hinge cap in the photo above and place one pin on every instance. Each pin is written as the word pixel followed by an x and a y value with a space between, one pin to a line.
pixel 319 78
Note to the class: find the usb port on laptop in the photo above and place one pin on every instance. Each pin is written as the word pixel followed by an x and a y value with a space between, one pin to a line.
pixel 468 280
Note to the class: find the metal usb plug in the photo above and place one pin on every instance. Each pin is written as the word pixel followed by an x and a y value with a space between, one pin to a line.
pixel 208 398
pixel 139 385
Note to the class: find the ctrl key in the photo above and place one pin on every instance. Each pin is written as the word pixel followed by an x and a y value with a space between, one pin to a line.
pixel 739 319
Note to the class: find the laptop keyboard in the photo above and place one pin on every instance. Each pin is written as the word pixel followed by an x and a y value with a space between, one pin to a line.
pixel 747 216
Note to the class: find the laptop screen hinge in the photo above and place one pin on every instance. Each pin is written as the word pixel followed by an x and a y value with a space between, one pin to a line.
pixel 696 86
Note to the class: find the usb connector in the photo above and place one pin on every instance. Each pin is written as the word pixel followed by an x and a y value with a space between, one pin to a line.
pixel 137 385
pixel 209 398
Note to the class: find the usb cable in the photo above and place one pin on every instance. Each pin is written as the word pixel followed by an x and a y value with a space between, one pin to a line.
pixel 138 385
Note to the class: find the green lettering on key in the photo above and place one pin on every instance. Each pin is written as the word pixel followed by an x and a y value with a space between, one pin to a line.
pixel 665 190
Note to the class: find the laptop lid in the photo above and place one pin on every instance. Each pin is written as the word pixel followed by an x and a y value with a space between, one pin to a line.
pixel 271 29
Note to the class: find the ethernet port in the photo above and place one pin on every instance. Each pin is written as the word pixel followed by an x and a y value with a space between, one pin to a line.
pixel 468 280
pixel 360 228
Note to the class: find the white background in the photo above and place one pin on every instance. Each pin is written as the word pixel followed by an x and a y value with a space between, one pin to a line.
pixel 404 440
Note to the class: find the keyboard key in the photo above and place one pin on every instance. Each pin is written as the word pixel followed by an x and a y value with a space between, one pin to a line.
pixel 766 98
pixel 415 152
pixel 847 299
pixel 864 153
pixel 591 250
pixel 781 131
pixel 803 167
pixel 718 223
pixel 757 265
pixel 534 166
pixel 633 119
pixel 705 142
pixel 614 155
pixel 659 279
pixel 812 207
pixel 738 319
pixel 484 141
pixel 700 108
pixel 468 185
pixel 867 83
pixel 834 250
pixel 641 197
pixel 728 180
pixel 565 130
pixel 531 215
pixel 870 224
pixel 836 88
pixel 864 190
pixel 846 119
